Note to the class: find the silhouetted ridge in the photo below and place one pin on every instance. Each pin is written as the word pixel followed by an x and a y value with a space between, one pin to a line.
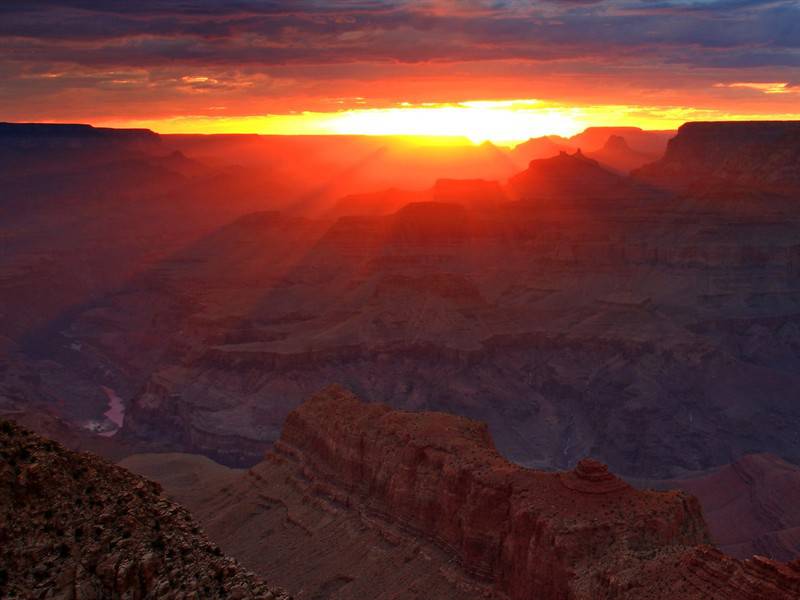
pixel 568 177
pixel 760 155
pixel 76 131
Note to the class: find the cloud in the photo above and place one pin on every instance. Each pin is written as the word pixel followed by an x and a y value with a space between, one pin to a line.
pixel 311 51
pixel 774 87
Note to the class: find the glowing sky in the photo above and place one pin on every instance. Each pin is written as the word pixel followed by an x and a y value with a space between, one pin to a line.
pixel 497 70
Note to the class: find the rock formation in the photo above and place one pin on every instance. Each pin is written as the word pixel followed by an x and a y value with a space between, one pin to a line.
pixel 728 157
pixel 652 142
pixel 569 177
pixel 618 155
pixel 361 500
pixel 75 527
pixel 636 148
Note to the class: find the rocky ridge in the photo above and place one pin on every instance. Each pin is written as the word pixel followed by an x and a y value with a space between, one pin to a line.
pixel 73 527
pixel 570 177
pixel 578 534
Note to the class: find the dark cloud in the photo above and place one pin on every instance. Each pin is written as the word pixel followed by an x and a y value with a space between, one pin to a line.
pixel 273 32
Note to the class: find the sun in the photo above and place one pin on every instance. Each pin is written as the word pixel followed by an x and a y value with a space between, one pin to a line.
pixel 500 122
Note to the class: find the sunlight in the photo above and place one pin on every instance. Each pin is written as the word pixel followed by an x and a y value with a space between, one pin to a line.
pixel 498 122
pixel 502 122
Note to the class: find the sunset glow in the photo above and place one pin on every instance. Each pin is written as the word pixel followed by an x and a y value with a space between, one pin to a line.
pixel 500 71
pixel 501 122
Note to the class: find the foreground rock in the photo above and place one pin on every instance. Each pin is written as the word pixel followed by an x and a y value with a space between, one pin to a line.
pixel 364 502
pixel 75 527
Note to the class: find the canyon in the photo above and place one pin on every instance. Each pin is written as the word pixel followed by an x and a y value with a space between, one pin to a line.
pixel 574 310
pixel 187 294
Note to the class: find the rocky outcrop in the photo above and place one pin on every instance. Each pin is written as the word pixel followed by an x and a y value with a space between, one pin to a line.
pixel 580 534
pixel 730 157
pixel 75 527
pixel 569 177
pixel 530 534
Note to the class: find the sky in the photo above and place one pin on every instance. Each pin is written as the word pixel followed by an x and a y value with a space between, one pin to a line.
pixel 500 69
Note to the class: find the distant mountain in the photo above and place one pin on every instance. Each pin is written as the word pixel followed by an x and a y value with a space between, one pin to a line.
pixel 618 148
pixel 47 134
pixel 617 154
pixel 724 157
pixel 640 140
pixel 357 500
pixel 39 147
pixel 74 526
pixel 569 177
pixel 541 147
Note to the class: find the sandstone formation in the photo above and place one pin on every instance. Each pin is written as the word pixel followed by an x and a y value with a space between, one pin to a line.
pixel 74 527
pixel 531 534
pixel 716 157
pixel 361 501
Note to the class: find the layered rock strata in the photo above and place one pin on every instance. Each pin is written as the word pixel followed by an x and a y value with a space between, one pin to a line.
pixel 762 155
pixel 527 534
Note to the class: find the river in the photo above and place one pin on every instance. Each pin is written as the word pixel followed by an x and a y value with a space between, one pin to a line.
pixel 115 412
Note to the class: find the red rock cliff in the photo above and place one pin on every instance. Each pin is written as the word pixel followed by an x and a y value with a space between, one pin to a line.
pixel 760 155
pixel 531 534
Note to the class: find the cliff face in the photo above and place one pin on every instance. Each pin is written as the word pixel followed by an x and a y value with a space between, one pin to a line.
pixel 531 534
pixel 579 534
pixel 75 527
pixel 41 135
pixel 759 155
pixel 359 501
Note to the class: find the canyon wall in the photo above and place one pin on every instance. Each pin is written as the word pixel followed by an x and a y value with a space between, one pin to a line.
pixel 762 155
pixel 530 534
